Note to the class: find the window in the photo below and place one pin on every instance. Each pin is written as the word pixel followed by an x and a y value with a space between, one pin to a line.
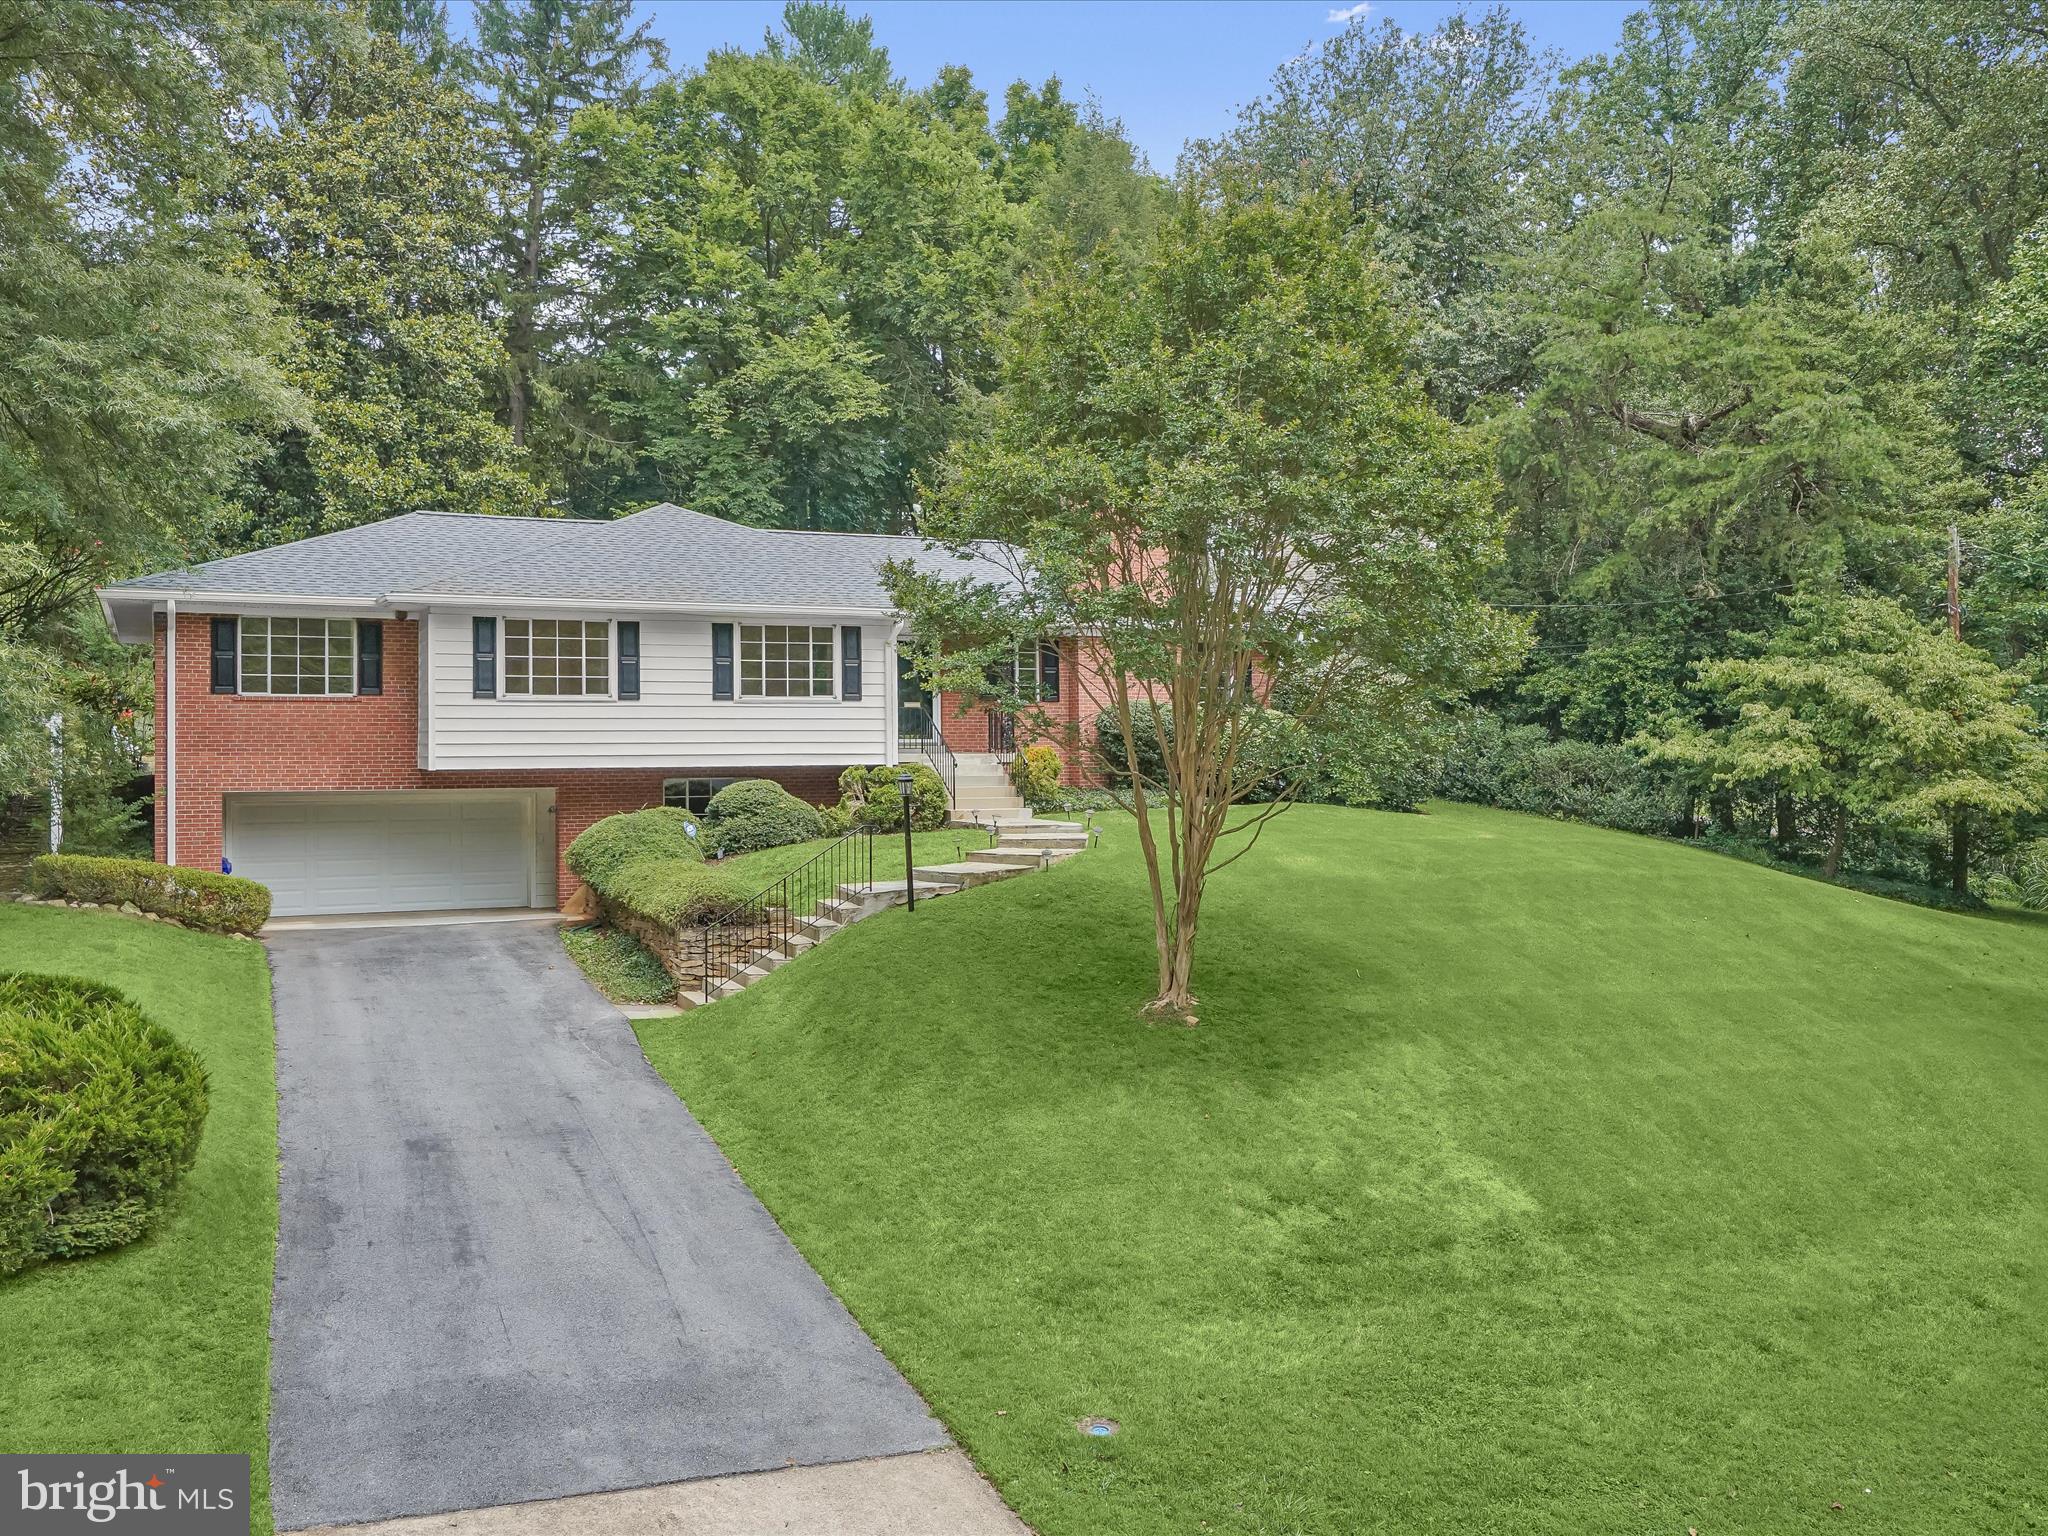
pixel 1035 672
pixel 298 656
pixel 558 658
pixel 692 795
pixel 785 661
pixel 1024 671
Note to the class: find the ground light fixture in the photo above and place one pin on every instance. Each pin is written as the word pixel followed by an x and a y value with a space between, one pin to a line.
pixel 903 782
pixel 1098 1429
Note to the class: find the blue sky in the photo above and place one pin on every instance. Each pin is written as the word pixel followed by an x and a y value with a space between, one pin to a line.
pixel 1171 69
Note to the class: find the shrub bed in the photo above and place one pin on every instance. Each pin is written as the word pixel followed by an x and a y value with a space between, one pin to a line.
pixel 100 1116
pixel 1519 768
pixel 758 813
pixel 219 903
pixel 605 847
pixel 873 801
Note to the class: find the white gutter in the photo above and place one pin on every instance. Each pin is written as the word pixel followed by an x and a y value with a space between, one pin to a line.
pixel 169 797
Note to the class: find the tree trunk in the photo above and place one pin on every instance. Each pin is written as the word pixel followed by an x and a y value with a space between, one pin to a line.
pixel 1786 816
pixel 1838 834
pixel 1959 855
pixel 1723 808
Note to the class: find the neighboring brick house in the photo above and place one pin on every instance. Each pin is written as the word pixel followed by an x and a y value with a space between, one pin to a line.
pixel 423 713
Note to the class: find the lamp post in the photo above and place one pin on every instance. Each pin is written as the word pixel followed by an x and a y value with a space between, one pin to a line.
pixel 909 869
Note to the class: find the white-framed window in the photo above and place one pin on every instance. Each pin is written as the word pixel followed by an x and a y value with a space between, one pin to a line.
pixel 558 658
pixel 1024 670
pixel 691 795
pixel 786 661
pixel 298 656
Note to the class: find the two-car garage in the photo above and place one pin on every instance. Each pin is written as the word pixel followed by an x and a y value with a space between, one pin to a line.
pixel 396 851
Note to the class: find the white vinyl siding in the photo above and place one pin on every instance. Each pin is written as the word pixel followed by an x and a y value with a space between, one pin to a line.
pixel 675 723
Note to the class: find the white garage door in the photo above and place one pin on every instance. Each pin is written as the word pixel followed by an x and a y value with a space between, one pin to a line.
pixel 386 852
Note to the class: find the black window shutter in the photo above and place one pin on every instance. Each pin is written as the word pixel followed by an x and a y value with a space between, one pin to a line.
pixel 629 658
pixel 1049 673
pixel 721 661
pixel 484 660
pixel 369 656
pixel 224 656
pixel 849 662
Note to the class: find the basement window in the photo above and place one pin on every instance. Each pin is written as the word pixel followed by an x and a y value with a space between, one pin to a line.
pixel 692 795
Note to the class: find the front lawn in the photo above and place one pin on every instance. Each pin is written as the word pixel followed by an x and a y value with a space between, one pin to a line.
pixel 163 1345
pixel 1520 1177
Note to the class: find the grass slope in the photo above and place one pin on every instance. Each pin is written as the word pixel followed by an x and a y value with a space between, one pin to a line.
pixel 163 1345
pixel 1521 1176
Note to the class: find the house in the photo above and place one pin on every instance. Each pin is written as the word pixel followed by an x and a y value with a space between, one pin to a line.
pixel 423 713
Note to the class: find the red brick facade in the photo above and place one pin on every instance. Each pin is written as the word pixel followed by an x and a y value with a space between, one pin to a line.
pixel 1068 722
pixel 231 742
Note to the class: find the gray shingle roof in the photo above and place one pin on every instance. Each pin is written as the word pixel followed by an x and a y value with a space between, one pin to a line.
pixel 664 554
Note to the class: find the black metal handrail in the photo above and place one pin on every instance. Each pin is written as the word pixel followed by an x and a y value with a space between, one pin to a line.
pixel 931 746
pixel 771 918
pixel 1002 731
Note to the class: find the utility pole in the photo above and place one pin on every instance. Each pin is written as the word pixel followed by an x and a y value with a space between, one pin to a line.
pixel 1955 582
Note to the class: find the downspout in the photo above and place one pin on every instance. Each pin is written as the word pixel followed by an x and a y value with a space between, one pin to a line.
pixel 169 797
pixel 891 696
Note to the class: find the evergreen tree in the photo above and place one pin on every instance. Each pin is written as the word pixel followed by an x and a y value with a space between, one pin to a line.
pixel 368 227
pixel 534 64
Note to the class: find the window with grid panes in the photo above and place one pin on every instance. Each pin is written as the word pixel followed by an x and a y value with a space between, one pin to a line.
pixel 786 661
pixel 557 658
pixel 298 656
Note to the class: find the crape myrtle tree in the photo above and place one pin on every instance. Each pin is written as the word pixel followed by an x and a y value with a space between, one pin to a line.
pixel 1212 463
pixel 1878 717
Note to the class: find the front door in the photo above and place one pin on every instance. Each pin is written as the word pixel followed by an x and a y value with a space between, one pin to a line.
pixel 913 703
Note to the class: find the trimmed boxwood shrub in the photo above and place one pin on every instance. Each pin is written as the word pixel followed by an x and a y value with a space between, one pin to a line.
pixel 100 1115
pixel 222 903
pixel 758 813
pixel 676 892
pixel 873 802
pixel 605 847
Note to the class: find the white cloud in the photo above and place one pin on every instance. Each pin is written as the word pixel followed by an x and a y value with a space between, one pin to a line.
pixel 1349 13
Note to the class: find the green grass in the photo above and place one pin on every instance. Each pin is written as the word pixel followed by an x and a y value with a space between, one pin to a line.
pixel 1519 1177
pixel 619 965
pixel 163 1345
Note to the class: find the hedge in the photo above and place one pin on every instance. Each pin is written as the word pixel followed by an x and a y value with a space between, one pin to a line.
pixel 222 903
pixel 873 801
pixel 100 1116
pixel 674 892
pixel 759 813
pixel 647 863
pixel 604 847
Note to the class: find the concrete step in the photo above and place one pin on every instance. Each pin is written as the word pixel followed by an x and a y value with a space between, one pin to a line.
pixel 968 873
pixel 686 1000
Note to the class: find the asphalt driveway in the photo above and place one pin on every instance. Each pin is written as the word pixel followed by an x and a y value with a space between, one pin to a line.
pixel 510 1265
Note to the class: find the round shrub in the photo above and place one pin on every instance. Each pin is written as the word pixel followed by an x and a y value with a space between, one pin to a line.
pixel 758 813
pixel 605 847
pixel 874 802
pixel 100 1115
pixel 1036 773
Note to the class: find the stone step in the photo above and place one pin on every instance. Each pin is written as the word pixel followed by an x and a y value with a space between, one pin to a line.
pixel 967 873
pixel 1023 858
pixel 686 999
pixel 894 891
pixel 1074 840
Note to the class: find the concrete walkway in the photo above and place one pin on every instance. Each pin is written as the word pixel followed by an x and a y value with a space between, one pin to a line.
pixel 936 1494
pixel 511 1266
